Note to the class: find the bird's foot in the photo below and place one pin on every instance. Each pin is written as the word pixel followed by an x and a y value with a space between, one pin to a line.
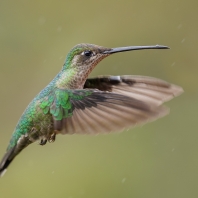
pixel 52 138
pixel 43 142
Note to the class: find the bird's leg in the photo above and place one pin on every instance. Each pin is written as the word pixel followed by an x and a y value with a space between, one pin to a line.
pixel 52 137
pixel 43 142
pixel 33 135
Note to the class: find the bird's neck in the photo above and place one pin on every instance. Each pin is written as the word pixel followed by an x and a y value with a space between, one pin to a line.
pixel 71 78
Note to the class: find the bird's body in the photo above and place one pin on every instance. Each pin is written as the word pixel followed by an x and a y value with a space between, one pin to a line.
pixel 71 103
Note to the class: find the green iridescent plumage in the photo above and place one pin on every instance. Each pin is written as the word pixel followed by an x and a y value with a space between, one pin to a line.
pixel 71 103
pixel 59 102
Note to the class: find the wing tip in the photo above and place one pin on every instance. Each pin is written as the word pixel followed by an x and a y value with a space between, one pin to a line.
pixel 177 90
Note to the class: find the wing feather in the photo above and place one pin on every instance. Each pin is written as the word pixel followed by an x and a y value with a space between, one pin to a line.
pixel 143 88
pixel 121 102
pixel 104 112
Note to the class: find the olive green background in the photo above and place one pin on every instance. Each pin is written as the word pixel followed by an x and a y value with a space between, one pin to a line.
pixel 157 160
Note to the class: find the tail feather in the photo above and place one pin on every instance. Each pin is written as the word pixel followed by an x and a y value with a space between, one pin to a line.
pixel 12 153
pixel 7 159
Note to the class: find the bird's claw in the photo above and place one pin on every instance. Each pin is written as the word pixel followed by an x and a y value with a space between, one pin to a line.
pixel 43 142
pixel 52 138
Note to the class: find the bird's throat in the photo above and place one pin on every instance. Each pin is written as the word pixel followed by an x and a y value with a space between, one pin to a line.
pixel 73 78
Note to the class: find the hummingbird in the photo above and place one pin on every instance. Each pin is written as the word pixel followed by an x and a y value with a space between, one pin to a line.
pixel 72 103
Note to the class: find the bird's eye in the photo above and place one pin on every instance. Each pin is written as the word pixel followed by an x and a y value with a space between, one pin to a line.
pixel 87 53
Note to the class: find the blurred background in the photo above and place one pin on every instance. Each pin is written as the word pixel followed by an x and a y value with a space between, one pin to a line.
pixel 157 160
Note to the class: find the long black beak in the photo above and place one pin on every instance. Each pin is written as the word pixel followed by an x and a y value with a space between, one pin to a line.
pixel 130 48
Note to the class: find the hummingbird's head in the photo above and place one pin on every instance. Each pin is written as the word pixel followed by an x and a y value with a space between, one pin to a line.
pixel 85 56
pixel 89 55
pixel 82 59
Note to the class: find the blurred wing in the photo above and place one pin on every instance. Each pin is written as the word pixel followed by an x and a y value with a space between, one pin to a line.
pixel 91 111
pixel 151 91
